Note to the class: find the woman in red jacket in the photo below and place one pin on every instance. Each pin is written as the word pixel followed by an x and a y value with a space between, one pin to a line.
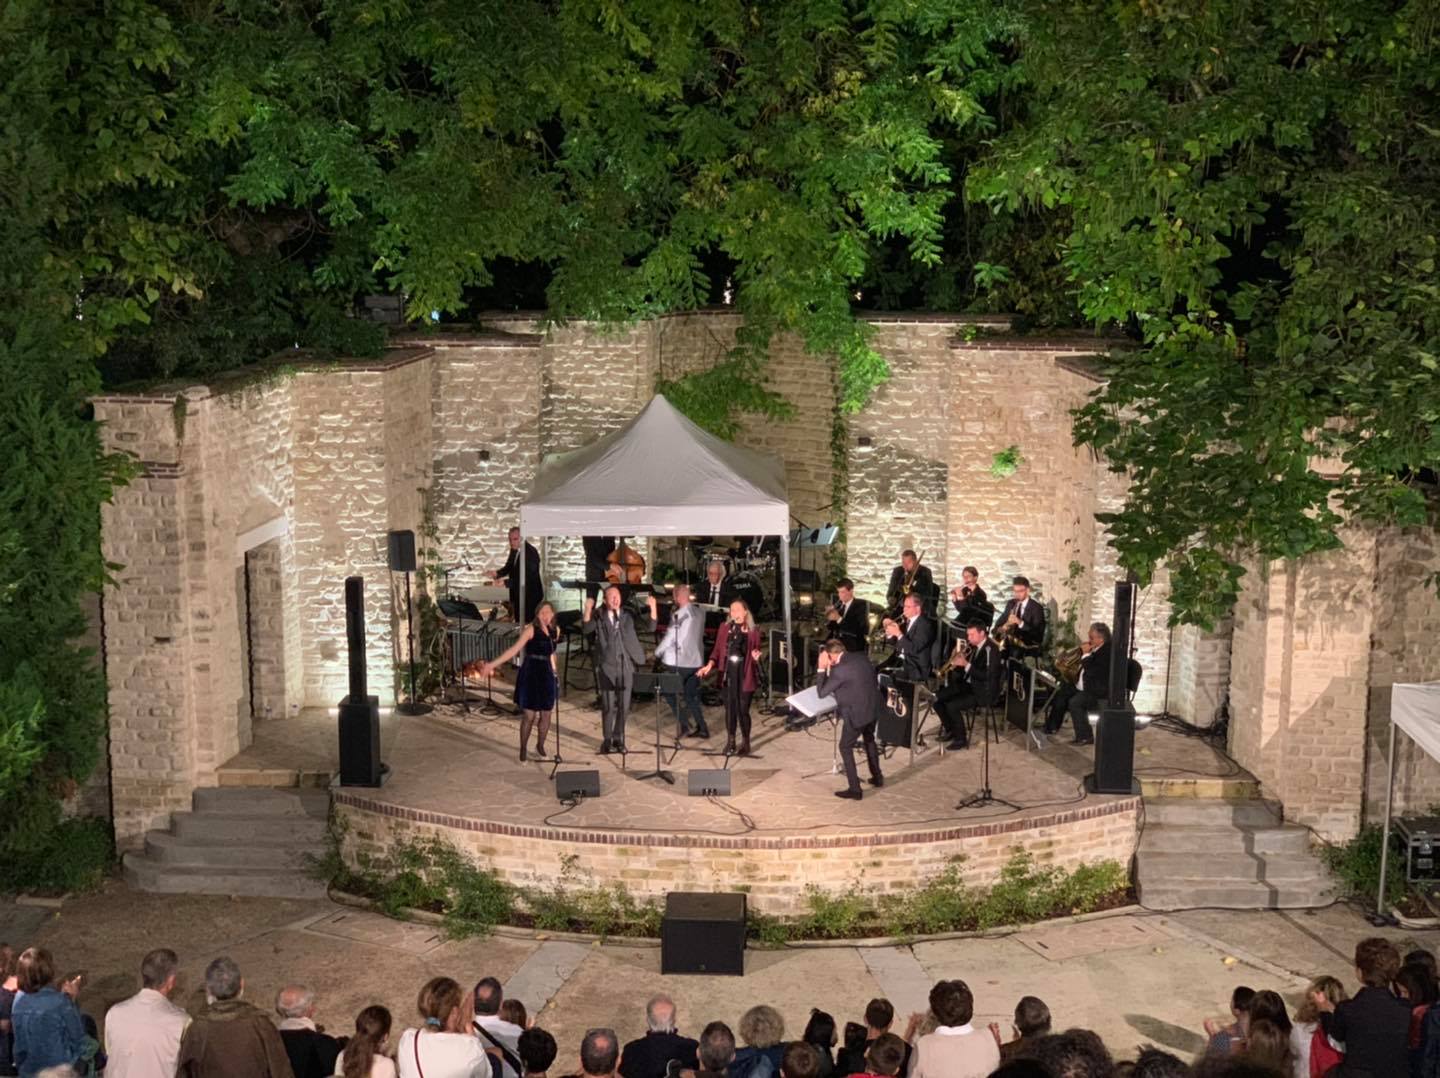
pixel 737 654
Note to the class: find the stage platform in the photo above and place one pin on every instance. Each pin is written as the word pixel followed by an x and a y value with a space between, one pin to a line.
pixel 457 774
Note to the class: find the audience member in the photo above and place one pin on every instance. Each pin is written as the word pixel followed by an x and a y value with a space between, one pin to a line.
pixel 1268 1044
pixel 955 1049
pixel 851 1057
pixel 312 1051
pixel 879 1020
pixel 1222 1036
pixel 1032 1019
pixel 364 1053
pixel 800 1059
pixel 142 1033
pixel 513 1011
pixel 599 1053
pixel 444 1046
pixel 1153 1063
pixel 762 1029
pixel 46 1023
pixel 886 1056
pixel 1312 1051
pixel 9 986
pixel 232 1038
pixel 1416 987
pixel 716 1051
pixel 1375 1025
pixel 1425 959
pixel 820 1035
pixel 650 1055
pixel 1022 1068
pixel 537 1051
pixel 1076 1053
pixel 494 1031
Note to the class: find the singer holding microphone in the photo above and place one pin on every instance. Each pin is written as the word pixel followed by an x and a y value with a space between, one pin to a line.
pixel 535 682
pixel 737 654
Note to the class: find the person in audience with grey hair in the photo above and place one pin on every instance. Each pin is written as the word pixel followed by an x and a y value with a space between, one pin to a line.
pixel 232 1038
pixel 650 1055
pixel 599 1053
pixel 142 1033
pixel 312 1051
pixel 762 1029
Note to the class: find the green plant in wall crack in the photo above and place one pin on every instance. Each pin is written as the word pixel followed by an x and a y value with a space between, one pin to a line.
pixel 1006 462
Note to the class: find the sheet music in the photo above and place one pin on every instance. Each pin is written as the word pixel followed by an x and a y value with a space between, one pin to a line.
pixel 811 704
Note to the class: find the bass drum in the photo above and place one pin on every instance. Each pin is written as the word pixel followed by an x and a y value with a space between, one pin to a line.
pixel 747 588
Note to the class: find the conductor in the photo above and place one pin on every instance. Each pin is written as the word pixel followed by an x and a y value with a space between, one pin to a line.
pixel 849 677
pixel 617 654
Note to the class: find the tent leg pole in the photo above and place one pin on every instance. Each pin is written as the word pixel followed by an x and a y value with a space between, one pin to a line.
pixel 785 600
pixel 1385 834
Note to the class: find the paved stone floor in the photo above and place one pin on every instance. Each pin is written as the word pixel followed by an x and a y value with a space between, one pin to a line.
pixel 1136 978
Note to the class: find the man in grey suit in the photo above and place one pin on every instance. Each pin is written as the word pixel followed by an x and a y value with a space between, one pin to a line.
pixel 617 654
pixel 849 677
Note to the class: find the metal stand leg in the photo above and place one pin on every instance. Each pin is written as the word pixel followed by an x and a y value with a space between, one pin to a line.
pixel 984 796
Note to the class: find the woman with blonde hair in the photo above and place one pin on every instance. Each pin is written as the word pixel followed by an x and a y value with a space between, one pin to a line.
pixel 737 654
pixel 1312 1052
pixel 537 679
pixel 763 1031
pixel 443 1047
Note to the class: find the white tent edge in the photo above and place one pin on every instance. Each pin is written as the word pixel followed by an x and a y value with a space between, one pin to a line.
pixel 1415 709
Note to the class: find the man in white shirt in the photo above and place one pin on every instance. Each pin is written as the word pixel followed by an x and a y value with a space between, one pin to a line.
pixel 142 1033
pixel 956 1049
pixel 681 649
pixel 493 1031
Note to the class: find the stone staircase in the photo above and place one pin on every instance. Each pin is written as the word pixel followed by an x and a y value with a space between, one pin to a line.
pixel 1236 854
pixel 236 841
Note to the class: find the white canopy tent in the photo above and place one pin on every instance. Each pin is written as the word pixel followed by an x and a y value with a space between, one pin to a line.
pixel 660 474
pixel 1415 709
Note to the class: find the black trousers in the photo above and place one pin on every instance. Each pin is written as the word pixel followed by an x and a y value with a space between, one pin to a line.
pixel 952 701
pixel 737 709
pixel 848 737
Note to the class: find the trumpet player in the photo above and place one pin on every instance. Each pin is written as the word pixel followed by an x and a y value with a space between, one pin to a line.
pixel 911 637
pixel 909 578
pixel 1091 688
pixel 849 617
pixel 973 681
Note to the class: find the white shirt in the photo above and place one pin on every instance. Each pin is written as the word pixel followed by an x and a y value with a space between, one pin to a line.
pixel 442 1055
pixel 684 641
pixel 142 1036
pixel 507 1033
pixel 380 1066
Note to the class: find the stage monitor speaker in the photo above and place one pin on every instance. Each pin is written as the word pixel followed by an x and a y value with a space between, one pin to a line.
pixel 1115 751
pixel 575 785
pixel 703 933
pixel 360 741
pixel 402 552
pixel 709 782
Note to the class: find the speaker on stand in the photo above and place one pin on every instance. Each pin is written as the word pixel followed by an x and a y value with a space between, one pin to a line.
pixel 1115 735
pixel 401 558
pixel 359 726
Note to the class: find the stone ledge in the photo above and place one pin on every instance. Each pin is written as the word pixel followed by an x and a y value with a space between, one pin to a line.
pixel 1073 344
pixel 470 338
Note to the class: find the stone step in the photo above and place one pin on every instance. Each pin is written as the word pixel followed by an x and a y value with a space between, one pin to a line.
pixel 1206 812
pixel 1281 869
pixel 163 848
pixel 1181 895
pixel 202 828
pixel 1201 787
pixel 146 875
pixel 250 801
pixel 1207 841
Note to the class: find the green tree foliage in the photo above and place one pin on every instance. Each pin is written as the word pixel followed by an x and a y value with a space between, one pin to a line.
pixel 1252 188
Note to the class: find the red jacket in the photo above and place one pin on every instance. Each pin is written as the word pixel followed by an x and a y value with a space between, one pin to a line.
pixel 750 677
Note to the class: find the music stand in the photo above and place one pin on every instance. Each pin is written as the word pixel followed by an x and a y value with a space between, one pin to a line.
pixel 661 684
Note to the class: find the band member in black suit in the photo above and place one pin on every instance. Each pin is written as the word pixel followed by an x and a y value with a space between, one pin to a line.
pixel 974 681
pixel 510 573
pixel 715 590
pixel 912 637
pixel 849 618
pixel 598 549
pixel 849 677
pixel 618 655
pixel 907 578
pixel 1023 618
pixel 969 598
pixel 1090 692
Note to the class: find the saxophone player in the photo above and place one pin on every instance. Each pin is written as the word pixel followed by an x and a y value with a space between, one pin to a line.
pixel 849 618
pixel 1023 619
pixel 910 578
pixel 973 681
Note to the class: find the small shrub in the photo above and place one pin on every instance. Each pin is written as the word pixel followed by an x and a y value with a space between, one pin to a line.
pixel 1356 866
pixel 834 916
pixel 75 856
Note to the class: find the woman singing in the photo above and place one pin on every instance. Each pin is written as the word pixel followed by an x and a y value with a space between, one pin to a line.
pixel 737 653
pixel 535 683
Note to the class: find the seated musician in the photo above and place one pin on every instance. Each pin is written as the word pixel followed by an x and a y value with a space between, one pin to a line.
pixel 598 549
pixel 1091 691
pixel 510 574
pixel 912 637
pixel 1023 619
pixel 969 598
pixel 974 681
pixel 715 589
pixel 849 618
pixel 907 578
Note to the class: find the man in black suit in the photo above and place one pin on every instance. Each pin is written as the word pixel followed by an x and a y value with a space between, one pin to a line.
pixel 973 682
pixel 849 677
pixel 617 655
pixel 651 1055
pixel 1090 692
pixel 969 598
pixel 510 573
pixel 912 637
pixel 910 578
pixel 849 618
pixel 715 590
pixel 598 549
pixel 1023 617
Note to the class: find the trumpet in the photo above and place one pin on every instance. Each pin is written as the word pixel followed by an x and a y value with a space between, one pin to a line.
pixel 963 649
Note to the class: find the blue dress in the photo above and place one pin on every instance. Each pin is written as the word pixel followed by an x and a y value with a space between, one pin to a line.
pixel 535 684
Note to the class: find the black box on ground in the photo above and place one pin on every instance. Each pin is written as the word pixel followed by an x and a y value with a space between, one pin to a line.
pixel 703 933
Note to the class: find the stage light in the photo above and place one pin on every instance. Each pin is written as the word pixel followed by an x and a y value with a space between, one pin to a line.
pixel 864 442
pixel 805 599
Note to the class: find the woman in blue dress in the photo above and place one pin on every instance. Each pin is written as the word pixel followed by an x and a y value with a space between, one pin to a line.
pixel 536 681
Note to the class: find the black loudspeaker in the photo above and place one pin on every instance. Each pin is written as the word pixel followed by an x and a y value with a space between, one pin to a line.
pixel 709 782
pixel 574 785
pixel 891 729
pixel 703 933
pixel 402 552
pixel 1115 751
pixel 359 712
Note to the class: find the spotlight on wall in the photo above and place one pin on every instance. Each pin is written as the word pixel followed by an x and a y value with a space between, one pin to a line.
pixel 484 454
pixel 864 441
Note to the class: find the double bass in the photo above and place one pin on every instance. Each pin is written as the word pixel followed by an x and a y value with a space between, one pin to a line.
pixel 626 565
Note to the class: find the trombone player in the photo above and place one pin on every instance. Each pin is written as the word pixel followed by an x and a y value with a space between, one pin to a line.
pixel 1022 622
pixel 910 578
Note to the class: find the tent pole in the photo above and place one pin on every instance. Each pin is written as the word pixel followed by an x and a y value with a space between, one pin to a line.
pixel 520 610
pixel 1385 835
pixel 785 600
